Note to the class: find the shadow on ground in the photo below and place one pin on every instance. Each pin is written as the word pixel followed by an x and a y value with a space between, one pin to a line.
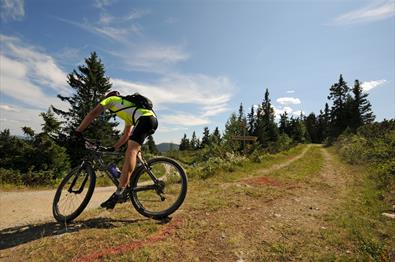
pixel 15 236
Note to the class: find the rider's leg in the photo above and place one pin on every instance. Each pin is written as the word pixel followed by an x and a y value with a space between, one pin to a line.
pixel 129 163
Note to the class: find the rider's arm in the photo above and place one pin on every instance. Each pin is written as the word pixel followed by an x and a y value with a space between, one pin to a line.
pixel 124 138
pixel 89 117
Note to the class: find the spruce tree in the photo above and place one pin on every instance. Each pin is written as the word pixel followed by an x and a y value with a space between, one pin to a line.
pixel 194 141
pixel 205 138
pixel 89 86
pixel 266 130
pixel 51 125
pixel 251 121
pixel 361 108
pixel 232 128
pixel 151 145
pixel 215 137
pixel 184 144
pixel 338 94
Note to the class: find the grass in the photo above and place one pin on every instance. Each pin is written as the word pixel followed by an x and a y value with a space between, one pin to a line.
pixel 226 219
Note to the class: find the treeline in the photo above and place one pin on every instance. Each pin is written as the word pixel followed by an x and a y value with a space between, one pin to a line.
pixel 350 109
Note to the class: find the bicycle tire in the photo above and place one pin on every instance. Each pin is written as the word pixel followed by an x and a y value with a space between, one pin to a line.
pixel 89 174
pixel 180 199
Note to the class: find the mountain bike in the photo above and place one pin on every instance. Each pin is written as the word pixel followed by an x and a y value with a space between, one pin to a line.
pixel 157 188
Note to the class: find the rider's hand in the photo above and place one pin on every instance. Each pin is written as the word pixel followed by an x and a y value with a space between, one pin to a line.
pixel 78 134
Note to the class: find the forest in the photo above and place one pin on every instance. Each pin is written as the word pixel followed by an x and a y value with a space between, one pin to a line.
pixel 346 121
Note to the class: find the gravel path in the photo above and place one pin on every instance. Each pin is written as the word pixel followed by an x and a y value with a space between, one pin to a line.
pixel 23 208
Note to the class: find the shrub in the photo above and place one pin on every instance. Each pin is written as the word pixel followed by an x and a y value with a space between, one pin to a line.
pixel 374 145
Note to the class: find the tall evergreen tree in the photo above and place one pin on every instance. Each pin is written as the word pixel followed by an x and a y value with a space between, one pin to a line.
pixel 284 123
pixel 205 138
pixel 361 108
pixel 89 85
pixel 266 129
pixel 51 125
pixel 151 146
pixel 312 128
pixel 184 144
pixel 195 143
pixel 232 128
pixel 251 121
pixel 215 136
pixel 339 115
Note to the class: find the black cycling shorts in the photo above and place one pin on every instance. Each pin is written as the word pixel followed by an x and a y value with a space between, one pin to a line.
pixel 145 126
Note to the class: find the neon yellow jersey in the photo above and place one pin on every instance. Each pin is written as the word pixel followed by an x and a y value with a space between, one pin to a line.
pixel 114 103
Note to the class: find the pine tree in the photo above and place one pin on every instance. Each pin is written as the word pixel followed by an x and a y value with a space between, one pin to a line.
pixel 284 123
pixel 205 138
pixel 194 141
pixel 232 128
pixel 251 120
pixel 338 94
pixel 311 124
pixel 151 145
pixel 51 125
pixel 89 85
pixel 215 137
pixel 184 144
pixel 266 129
pixel 361 108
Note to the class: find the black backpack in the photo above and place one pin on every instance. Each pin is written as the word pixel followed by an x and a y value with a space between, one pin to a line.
pixel 138 100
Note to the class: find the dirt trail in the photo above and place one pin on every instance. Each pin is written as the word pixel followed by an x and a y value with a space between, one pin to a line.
pixel 23 208
pixel 257 227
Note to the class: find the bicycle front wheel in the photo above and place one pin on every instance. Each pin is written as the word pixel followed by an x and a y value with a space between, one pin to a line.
pixel 161 199
pixel 73 193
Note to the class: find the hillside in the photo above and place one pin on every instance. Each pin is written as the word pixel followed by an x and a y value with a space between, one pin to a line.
pixel 303 204
pixel 165 147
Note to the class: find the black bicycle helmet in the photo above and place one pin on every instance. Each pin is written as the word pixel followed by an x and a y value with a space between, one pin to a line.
pixel 113 93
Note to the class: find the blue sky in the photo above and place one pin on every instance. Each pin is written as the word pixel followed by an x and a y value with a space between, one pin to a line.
pixel 197 60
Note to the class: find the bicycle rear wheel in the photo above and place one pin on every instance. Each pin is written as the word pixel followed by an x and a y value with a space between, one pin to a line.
pixel 160 200
pixel 74 193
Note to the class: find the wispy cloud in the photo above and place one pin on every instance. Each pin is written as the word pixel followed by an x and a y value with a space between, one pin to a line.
pixel 19 117
pixel 27 74
pixel 102 4
pixel 369 85
pixel 210 96
pixel 9 108
pixel 369 13
pixel 290 91
pixel 288 100
pixel 12 10
pixel 184 119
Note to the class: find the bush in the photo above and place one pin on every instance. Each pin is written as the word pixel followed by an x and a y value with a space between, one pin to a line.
pixel 374 145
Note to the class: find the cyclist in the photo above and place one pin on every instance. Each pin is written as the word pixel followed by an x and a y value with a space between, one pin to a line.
pixel 139 124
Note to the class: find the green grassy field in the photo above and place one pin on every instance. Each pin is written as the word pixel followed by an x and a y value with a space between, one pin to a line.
pixel 303 204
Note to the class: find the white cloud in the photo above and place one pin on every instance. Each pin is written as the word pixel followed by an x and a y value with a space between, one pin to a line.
pixel 209 94
pixel 20 117
pixel 9 108
pixel 12 10
pixel 101 4
pixel 26 61
pixel 298 112
pixel 288 101
pixel 183 119
pixel 369 85
pixel 280 111
pixel 25 72
pixel 367 14
pixel 182 89
pixel 290 91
